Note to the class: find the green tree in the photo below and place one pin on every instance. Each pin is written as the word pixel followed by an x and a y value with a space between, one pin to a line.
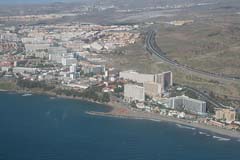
pixel 133 104
pixel 105 97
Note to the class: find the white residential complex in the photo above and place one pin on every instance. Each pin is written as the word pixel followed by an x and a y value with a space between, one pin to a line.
pixel 57 53
pixel 134 92
pixel 165 78
pixel 225 114
pixel 24 70
pixel 188 104
pixel 68 61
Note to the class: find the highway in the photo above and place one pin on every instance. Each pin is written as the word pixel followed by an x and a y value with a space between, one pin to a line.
pixel 206 97
pixel 153 49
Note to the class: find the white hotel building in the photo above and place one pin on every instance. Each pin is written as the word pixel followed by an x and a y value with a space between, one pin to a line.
pixel 188 104
pixel 164 78
pixel 136 77
pixel 134 92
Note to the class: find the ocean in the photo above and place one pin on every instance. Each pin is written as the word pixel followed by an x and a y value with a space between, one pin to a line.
pixel 44 128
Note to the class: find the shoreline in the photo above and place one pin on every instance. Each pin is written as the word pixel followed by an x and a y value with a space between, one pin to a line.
pixel 159 118
pixel 52 94
pixel 117 110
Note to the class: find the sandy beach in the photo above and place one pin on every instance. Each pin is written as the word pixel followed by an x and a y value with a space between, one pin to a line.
pixel 119 111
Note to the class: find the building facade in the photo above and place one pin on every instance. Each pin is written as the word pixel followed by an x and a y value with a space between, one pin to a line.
pixel 152 89
pixel 57 53
pixel 24 70
pixel 225 114
pixel 95 69
pixel 165 79
pixel 188 104
pixel 69 61
pixel 136 77
pixel 133 93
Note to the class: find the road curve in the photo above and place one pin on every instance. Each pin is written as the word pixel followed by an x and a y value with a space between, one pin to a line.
pixel 153 49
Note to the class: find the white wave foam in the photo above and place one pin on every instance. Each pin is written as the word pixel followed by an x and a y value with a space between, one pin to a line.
pixel 221 138
pixel 185 127
pixel 203 133
pixel 26 95
pixel 155 120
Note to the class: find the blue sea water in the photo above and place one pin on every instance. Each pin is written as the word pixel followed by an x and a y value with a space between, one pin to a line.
pixel 41 128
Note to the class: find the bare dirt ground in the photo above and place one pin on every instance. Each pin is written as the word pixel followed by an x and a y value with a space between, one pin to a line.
pixel 210 44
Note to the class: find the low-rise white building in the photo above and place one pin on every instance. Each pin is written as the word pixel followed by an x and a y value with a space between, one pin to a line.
pixel 95 69
pixel 30 48
pixel 56 58
pixel 73 68
pixel 56 54
pixel 96 46
pixel 68 61
pixel 24 70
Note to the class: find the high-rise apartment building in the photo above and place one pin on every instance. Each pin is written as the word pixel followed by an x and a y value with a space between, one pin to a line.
pixel 134 92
